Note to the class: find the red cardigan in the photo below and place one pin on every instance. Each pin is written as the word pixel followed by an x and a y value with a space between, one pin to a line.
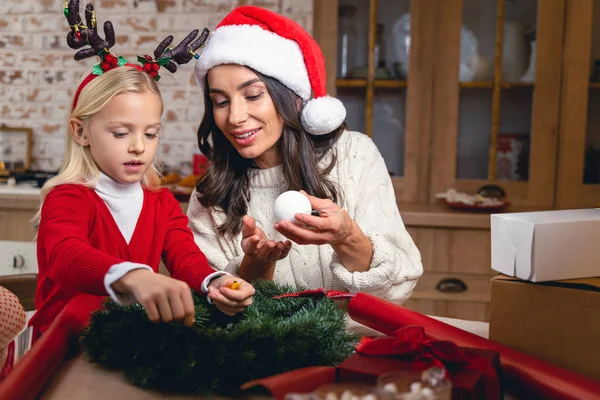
pixel 78 241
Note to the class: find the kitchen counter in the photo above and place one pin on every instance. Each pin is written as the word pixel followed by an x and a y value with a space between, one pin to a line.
pixel 20 189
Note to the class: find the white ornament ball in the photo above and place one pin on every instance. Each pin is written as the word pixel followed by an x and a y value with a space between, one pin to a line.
pixel 290 203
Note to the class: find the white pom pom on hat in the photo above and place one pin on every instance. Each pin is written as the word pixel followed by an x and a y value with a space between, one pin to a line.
pixel 280 48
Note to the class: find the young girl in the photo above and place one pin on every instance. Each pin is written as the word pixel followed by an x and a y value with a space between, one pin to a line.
pixel 104 222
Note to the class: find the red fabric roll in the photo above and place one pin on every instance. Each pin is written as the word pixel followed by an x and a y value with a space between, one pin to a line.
pixel 520 371
pixel 36 368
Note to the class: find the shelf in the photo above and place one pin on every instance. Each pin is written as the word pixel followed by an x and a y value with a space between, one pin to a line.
pixel 594 85
pixel 476 85
pixel 357 83
pixel 394 83
pixel 510 85
pixel 389 83
pixel 503 85
pixel 437 215
pixel 379 83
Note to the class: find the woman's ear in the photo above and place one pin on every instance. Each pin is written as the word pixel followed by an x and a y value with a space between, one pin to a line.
pixel 77 129
pixel 298 104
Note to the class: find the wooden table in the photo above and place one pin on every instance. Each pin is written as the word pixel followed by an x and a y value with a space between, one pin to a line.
pixel 55 367
pixel 79 379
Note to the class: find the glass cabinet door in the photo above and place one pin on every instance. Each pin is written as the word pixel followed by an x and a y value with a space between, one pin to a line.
pixel 373 69
pixel 578 181
pixel 388 124
pixel 371 82
pixel 496 97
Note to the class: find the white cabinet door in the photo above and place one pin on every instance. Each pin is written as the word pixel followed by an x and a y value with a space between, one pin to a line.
pixel 18 258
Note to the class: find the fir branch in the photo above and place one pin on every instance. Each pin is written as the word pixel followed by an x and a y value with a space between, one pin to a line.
pixel 219 352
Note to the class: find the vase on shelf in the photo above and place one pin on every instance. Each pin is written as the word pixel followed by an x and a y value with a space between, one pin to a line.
pixel 529 75
pixel 514 51
pixel 346 41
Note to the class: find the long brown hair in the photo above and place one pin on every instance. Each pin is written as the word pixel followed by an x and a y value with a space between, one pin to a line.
pixel 225 182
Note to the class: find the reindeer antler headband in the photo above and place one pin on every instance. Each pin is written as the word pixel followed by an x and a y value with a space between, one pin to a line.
pixel 82 35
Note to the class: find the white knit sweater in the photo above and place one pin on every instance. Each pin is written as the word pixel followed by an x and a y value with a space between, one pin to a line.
pixel 369 199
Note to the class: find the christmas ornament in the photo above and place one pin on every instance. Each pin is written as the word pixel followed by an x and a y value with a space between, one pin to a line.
pixel 219 352
pixel 290 203
pixel 12 321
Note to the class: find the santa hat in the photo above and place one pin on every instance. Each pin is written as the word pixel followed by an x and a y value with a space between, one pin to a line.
pixel 280 48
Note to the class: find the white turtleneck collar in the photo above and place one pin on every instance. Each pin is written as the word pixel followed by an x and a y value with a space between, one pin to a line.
pixel 113 188
pixel 124 201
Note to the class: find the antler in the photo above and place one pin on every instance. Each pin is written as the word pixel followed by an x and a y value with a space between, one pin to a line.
pixel 183 52
pixel 82 35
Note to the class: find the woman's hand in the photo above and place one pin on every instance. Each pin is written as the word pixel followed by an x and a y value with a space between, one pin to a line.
pixel 230 294
pixel 257 246
pixel 334 225
pixel 164 299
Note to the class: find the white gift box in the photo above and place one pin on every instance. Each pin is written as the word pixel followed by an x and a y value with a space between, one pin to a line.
pixel 547 245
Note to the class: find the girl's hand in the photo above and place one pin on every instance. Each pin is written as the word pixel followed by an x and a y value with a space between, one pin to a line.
pixel 164 299
pixel 333 227
pixel 257 246
pixel 230 294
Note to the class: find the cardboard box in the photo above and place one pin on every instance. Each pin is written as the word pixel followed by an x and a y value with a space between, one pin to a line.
pixel 554 321
pixel 547 245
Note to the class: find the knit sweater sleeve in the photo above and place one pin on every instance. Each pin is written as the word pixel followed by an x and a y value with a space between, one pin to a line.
pixel 67 214
pixel 221 251
pixel 183 258
pixel 396 262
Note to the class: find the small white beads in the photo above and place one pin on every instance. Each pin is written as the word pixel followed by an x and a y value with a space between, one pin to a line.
pixel 348 395
pixel 415 387
pixel 390 387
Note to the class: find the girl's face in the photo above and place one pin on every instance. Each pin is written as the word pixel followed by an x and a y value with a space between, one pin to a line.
pixel 244 111
pixel 123 136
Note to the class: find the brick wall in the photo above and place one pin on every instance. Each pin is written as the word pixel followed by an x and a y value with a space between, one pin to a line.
pixel 38 74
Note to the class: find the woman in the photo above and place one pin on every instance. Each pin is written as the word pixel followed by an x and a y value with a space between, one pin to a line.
pixel 264 134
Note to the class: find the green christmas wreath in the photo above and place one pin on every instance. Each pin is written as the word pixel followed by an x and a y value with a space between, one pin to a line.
pixel 219 352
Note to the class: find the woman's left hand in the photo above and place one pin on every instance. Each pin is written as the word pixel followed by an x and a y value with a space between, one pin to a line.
pixel 230 294
pixel 332 227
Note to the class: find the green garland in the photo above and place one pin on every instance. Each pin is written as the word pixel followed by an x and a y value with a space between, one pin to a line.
pixel 219 353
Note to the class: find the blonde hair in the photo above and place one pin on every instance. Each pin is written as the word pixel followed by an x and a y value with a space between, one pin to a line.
pixel 78 164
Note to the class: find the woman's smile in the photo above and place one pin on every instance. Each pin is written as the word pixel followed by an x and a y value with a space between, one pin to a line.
pixel 245 137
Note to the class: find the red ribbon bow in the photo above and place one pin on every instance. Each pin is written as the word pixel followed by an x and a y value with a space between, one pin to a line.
pixel 319 293
pixel 411 342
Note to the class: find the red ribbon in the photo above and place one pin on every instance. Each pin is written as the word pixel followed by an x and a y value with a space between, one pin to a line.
pixel 411 343
pixel 318 293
